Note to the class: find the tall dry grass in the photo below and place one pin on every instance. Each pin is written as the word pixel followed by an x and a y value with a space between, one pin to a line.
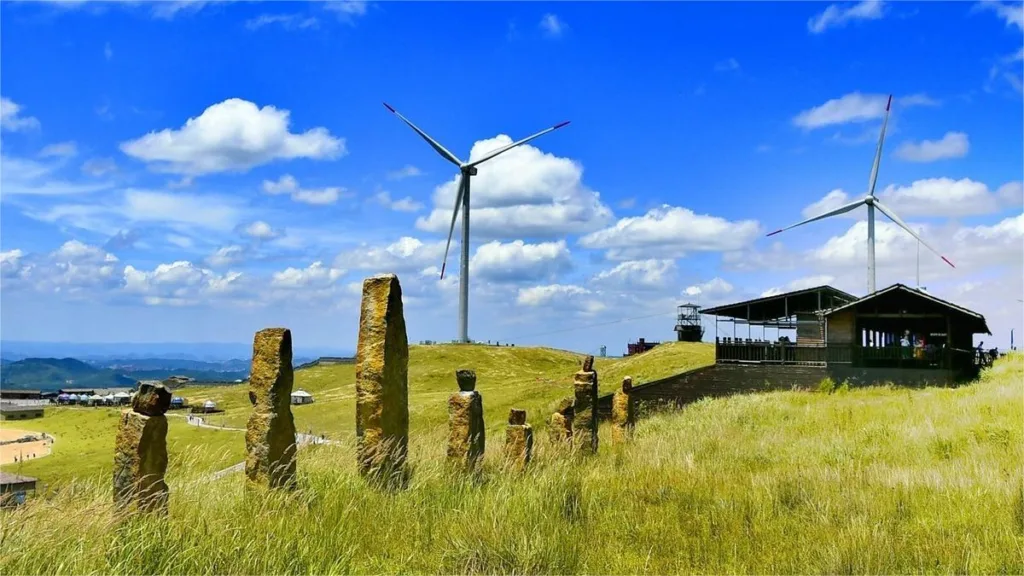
pixel 879 480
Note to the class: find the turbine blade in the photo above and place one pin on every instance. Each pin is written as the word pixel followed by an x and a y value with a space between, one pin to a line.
pixel 455 216
pixel 892 216
pixel 433 143
pixel 878 150
pixel 514 144
pixel 841 210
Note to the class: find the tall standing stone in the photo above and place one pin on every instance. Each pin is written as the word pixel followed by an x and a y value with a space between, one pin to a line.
pixel 585 421
pixel 270 434
pixel 560 424
pixel 518 439
pixel 382 380
pixel 140 451
pixel 623 412
pixel 466 435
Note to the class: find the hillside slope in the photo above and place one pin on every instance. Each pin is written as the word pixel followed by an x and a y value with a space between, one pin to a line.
pixel 874 480
pixel 54 373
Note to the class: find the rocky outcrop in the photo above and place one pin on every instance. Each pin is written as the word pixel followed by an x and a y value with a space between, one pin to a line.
pixel 270 433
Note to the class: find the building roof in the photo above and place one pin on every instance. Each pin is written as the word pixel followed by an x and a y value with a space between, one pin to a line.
pixel 8 478
pixel 302 393
pixel 77 390
pixel 7 407
pixel 777 306
pixel 901 297
pixel 20 391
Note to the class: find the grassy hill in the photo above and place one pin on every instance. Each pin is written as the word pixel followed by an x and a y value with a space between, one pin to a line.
pixel 53 373
pixel 874 480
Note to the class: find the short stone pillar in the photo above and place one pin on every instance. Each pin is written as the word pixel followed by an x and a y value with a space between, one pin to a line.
pixel 585 420
pixel 518 439
pixel 560 425
pixel 382 381
pixel 623 412
pixel 270 433
pixel 140 451
pixel 466 435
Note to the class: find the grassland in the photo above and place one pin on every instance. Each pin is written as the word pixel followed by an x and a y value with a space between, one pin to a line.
pixel 877 480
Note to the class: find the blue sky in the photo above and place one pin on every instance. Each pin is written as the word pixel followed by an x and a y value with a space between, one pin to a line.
pixel 196 171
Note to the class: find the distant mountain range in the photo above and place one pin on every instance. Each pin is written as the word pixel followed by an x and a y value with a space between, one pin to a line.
pixel 214 352
pixel 55 373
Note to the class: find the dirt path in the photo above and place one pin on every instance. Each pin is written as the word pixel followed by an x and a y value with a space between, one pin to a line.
pixel 17 451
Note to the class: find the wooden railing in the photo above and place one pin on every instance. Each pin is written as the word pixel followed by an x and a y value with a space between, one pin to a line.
pixel 760 352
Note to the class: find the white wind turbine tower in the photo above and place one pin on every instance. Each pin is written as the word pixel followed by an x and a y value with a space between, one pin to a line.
pixel 466 170
pixel 871 202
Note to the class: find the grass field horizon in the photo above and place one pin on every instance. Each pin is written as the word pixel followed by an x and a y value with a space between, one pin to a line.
pixel 870 480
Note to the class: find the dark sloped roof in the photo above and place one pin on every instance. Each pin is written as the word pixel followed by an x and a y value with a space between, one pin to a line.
pixel 974 321
pixel 8 478
pixel 776 306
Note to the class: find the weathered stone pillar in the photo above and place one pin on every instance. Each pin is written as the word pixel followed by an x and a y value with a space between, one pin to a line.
pixel 382 380
pixel 623 412
pixel 466 435
pixel 518 439
pixel 560 425
pixel 585 421
pixel 270 434
pixel 140 451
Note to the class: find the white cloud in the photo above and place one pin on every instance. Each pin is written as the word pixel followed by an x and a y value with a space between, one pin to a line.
pixel 260 230
pixel 59 150
pixel 226 256
pixel 518 260
pixel 76 266
pixel 727 65
pixel 407 171
pixel 346 8
pixel 1012 13
pixel 25 177
pixel 404 255
pixel 97 167
pixel 637 274
pixel 801 284
pixel 670 232
pixel 522 193
pixel 179 283
pixel 952 145
pixel 950 198
pixel 180 241
pixel 406 204
pixel 830 201
pixel 713 291
pixel 853 108
pixel 315 275
pixel 837 16
pixel 551 25
pixel 232 136
pixel 286 21
pixel 546 295
pixel 10 263
pixel 287 184
pixel 12 119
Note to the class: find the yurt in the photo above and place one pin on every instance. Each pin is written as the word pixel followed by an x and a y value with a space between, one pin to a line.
pixel 209 406
pixel 302 397
pixel 122 398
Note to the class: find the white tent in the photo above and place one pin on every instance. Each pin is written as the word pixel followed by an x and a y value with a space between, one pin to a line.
pixel 209 404
pixel 302 397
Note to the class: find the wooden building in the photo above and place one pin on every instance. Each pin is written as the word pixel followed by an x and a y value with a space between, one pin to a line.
pixel 14 488
pixel 639 347
pixel 898 334
pixel 13 394
pixel 9 411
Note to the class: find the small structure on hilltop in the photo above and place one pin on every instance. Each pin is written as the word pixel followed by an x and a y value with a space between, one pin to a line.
pixel 14 488
pixel 10 411
pixel 688 325
pixel 177 403
pixel 77 391
pixel 207 407
pixel 898 334
pixel 21 394
pixel 639 347
pixel 301 397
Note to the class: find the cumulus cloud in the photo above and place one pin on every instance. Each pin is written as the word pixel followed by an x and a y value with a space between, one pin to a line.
pixel 837 16
pixel 670 232
pixel 287 184
pixel 952 145
pixel 260 230
pixel 406 204
pixel 226 256
pixel 854 107
pixel 315 275
pixel 518 261
pixel 10 263
pixel 404 255
pixel 75 267
pixel 12 119
pixel 552 25
pixel 232 136
pixel 407 171
pixel 1011 13
pixel 179 283
pixel 647 274
pixel 59 150
pixel 951 198
pixel 562 297
pixel 521 193
pixel 801 284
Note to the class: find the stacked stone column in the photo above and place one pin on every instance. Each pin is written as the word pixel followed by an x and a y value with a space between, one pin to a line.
pixel 518 439
pixel 466 435
pixel 382 381
pixel 140 451
pixel 585 421
pixel 623 412
pixel 560 424
pixel 270 433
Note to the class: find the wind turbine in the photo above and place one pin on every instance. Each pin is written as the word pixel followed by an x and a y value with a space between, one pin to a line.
pixel 871 202
pixel 466 170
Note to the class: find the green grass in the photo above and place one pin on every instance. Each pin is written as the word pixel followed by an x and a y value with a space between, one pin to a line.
pixel 875 480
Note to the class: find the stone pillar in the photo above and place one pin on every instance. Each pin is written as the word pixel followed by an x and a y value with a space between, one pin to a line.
pixel 382 380
pixel 140 451
pixel 585 421
pixel 270 434
pixel 518 439
pixel 466 435
pixel 560 425
pixel 623 413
